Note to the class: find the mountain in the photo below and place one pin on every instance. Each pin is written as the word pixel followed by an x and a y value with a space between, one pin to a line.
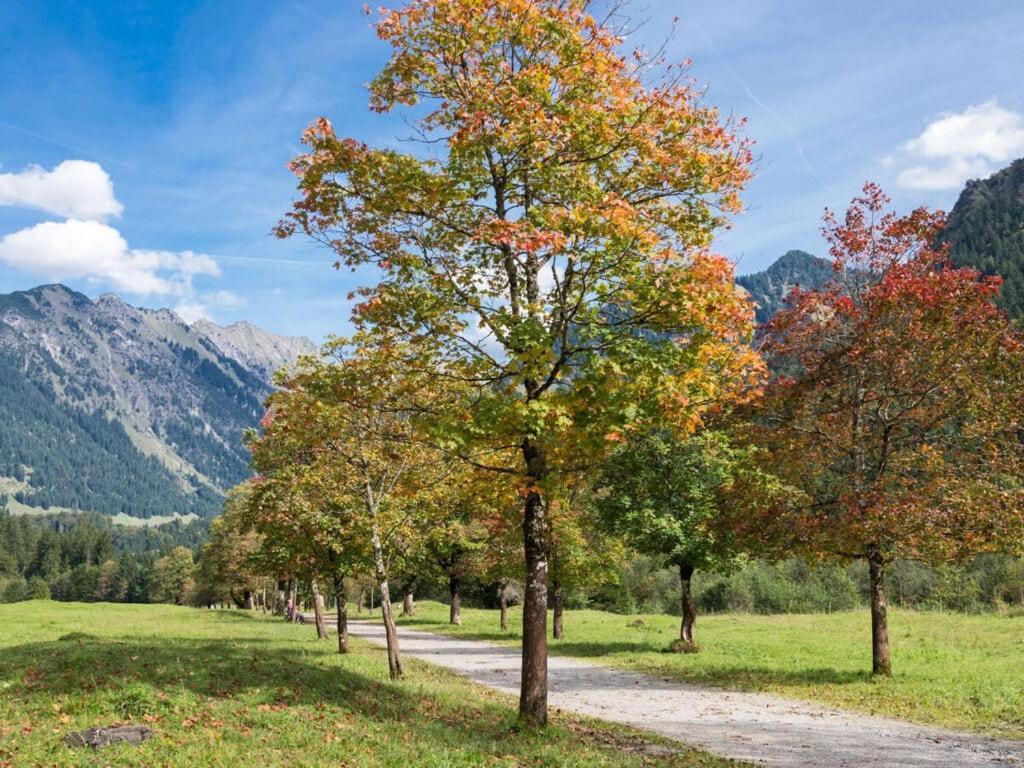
pixel 770 287
pixel 110 408
pixel 985 231
pixel 256 349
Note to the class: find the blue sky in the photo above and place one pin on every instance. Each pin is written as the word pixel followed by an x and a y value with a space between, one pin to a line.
pixel 187 113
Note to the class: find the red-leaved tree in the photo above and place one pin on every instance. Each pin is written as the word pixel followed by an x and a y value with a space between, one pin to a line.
pixel 895 406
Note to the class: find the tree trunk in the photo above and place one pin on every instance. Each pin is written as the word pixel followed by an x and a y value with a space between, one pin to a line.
pixel 247 599
pixel 557 611
pixel 294 593
pixel 503 603
pixel 408 603
pixel 533 691
pixel 689 610
pixel 318 610
pixel 279 598
pixel 390 633
pixel 341 600
pixel 454 601
pixel 361 600
pixel 881 662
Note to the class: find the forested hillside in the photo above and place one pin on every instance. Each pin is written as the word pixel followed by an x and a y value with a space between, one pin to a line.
pixel 770 287
pixel 118 410
pixel 986 231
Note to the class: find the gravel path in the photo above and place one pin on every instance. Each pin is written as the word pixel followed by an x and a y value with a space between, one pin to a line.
pixel 758 728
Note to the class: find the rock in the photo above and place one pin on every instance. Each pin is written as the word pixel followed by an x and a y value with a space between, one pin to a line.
pixel 112 734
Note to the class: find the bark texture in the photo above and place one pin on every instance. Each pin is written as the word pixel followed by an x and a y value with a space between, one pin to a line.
pixel 454 601
pixel 503 605
pixel 394 657
pixel 341 599
pixel 688 609
pixel 881 661
pixel 533 693
pixel 318 610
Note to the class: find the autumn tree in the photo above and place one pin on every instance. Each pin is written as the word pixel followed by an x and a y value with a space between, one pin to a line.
pixel 581 553
pixel 559 202
pixel 895 410
pixel 307 522
pixel 343 432
pixel 454 538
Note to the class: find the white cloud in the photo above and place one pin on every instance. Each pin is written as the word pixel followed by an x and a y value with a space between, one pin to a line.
pixel 92 250
pixel 224 299
pixel 190 312
pixel 956 147
pixel 75 189
pixel 202 308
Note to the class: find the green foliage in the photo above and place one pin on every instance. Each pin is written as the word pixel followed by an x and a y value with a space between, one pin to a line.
pixel 985 231
pixel 660 493
pixel 83 557
pixel 172 577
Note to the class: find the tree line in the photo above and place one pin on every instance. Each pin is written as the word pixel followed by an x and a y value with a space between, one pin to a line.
pixel 85 558
pixel 553 367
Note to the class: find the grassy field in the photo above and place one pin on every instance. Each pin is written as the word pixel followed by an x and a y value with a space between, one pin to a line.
pixel 229 689
pixel 954 670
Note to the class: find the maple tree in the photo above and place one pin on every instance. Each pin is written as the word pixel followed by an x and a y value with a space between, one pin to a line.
pixel 455 538
pixel 341 447
pixel 581 554
pixel 894 415
pixel 662 494
pixel 558 206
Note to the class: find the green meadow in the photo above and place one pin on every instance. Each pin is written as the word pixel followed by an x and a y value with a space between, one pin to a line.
pixel 227 688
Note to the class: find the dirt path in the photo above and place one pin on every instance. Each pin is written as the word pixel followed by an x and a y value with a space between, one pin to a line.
pixel 761 729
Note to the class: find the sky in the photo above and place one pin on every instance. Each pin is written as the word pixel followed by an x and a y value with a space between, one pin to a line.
pixel 143 145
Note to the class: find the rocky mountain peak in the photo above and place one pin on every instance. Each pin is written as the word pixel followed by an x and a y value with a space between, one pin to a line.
pixel 117 409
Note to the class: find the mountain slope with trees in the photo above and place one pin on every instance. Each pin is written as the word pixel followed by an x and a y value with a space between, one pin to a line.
pixel 770 287
pixel 114 409
pixel 985 231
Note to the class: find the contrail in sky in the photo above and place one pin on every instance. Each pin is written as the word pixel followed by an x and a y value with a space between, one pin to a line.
pixel 768 110
pixel 84 151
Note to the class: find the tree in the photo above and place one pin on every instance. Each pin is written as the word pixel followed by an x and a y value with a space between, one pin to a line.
pixel 454 538
pixel 341 434
pixel 661 493
pixel 581 554
pixel 895 408
pixel 172 577
pixel 226 564
pixel 566 211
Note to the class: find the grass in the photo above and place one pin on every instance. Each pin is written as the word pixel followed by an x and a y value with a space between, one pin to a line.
pixel 960 671
pixel 225 688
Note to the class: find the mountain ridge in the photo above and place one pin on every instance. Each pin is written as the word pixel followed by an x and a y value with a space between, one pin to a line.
pixel 125 410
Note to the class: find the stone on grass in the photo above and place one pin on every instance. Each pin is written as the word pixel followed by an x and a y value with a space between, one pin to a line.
pixel 112 734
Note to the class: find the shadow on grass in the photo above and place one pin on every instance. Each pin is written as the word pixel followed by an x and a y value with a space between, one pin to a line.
pixel 274 675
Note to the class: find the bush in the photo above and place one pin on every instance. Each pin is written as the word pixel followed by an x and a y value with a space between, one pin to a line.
pixel 38 589
pixel 14 591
